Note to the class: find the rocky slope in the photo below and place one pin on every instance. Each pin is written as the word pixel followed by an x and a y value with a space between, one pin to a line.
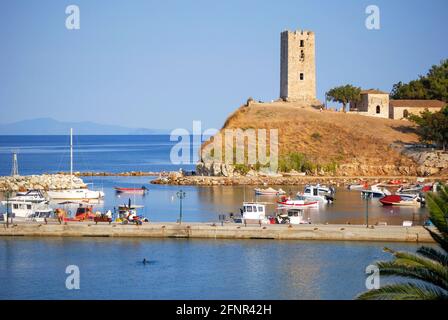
pixel 334 143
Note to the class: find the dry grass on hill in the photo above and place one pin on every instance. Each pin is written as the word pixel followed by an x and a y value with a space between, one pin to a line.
pixel 328 135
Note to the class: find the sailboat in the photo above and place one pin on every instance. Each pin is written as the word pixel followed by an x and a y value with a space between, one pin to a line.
pixel 75 193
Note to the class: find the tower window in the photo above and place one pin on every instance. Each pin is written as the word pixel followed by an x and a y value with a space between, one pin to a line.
pixel 302 43
pixel 301 76
pixel 378 109
pixel 405 113
pixel 302 55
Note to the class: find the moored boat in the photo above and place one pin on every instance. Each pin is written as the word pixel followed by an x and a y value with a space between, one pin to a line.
pixel 299 202
pixel 318 193
pixel 375 192
pixel 292 216
pixel 24 209
pixel 141 190
pixel 269 192
pixel 254 212
pixel 35 196
pixel 74 193
pixel 397 200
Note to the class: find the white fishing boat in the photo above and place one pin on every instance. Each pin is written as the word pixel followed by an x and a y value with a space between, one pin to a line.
pixel 375 191
pixel 292 216
pixel 74 193
pixel 22 209
pixel 269 191
pixel 254 212
pixel 35 196
pixel 317 193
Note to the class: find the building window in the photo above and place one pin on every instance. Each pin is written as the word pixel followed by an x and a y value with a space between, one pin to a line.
pixel 302 43
pixel 302 55
pixel 378 109
pixel 301 76
pixel 405 113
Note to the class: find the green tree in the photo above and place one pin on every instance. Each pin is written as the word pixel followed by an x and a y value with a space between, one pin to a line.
pixel 344 94
pixel 432 127
pixel 434 85
pixel 428 267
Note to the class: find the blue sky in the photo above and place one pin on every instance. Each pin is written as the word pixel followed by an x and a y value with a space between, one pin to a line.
pixel 164 64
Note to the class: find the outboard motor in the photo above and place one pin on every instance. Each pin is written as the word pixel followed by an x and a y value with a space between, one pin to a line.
pixel 329 199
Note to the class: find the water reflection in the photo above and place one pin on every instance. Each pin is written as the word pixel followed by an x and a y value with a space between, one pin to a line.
pixel 206 203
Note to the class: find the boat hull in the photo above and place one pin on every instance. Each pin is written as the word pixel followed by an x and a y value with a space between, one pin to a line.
pixel 79 194
pixel 130 190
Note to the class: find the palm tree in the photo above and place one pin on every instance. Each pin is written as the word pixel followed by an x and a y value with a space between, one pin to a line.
pixel 428 268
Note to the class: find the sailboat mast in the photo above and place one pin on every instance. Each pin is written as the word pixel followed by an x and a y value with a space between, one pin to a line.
pixel 71 158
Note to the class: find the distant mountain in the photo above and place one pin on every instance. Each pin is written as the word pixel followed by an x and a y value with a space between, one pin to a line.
pixel 49 126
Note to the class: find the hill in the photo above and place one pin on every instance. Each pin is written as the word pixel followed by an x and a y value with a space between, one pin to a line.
pixel 49 126
pixel 332 142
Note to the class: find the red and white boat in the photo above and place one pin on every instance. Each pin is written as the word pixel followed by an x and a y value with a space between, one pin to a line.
pixel 141 190
pixel 299 202
pixel 397 200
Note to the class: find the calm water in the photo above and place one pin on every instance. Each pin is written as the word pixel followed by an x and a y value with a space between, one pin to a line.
pixel 186 269
pixel 180 269
pixel 41 154
pixel 38 154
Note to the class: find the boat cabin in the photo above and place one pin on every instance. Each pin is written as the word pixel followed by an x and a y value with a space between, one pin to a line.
pixel 25 209
pixel 254 212
pixel 293 216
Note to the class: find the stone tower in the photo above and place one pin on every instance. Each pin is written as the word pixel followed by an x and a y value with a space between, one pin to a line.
pixel 297 66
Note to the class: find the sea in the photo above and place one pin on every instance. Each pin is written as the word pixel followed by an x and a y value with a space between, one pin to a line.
pixel 35 268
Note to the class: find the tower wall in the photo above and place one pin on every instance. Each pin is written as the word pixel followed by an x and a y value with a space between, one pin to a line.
pixel 297 66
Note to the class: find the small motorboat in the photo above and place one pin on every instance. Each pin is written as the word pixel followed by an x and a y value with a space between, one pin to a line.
pixel 357 186
pixel 375 192
pixel 397 200
pixel 318 193
pixel 269 192
pixel 141 190
pixel 299 202
pixel 35 196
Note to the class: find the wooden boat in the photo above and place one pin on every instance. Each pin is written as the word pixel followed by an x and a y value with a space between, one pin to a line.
pixel 397 200
pixel 141 190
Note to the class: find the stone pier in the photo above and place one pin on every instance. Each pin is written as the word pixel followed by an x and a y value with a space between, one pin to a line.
pixel 216 231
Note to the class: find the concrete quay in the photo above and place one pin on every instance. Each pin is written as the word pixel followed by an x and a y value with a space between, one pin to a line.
pixel 216 231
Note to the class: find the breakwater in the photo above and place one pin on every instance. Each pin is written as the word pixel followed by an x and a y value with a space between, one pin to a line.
pixel 218 231
pixel 176 179
pixel 40 182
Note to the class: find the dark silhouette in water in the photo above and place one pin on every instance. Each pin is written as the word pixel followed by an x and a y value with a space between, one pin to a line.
pixel 145 261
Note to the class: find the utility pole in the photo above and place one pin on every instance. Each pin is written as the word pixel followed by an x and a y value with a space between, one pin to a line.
pixel 367 211
pixel 181 195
